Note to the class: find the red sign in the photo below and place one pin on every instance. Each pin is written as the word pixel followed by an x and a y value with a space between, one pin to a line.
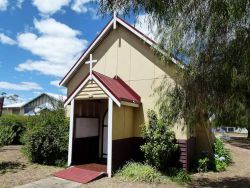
pixel 1 105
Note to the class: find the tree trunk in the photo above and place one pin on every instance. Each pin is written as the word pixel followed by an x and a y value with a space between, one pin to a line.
pixel 248 135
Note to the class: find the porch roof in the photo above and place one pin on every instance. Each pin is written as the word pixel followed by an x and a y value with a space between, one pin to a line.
pixel 116 86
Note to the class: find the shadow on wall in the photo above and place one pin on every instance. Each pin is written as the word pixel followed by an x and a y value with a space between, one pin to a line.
pixel 230 182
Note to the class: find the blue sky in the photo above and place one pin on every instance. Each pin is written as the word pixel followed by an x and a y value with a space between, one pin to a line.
pixel 41 39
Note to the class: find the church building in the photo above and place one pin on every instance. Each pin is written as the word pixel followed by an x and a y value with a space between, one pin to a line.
pixel 110 89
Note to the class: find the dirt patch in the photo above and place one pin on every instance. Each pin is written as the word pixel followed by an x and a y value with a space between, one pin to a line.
pixel 236 175
pixel 116 183
pixel 16 170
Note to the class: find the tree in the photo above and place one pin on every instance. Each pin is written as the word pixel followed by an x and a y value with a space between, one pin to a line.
pixel 213 35
pixel 11 98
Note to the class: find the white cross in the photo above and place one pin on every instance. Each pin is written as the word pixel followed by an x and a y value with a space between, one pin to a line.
pixel 114 17
pixel 90 62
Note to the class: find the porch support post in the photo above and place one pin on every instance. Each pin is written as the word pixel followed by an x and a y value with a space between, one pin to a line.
pixel 71 127
pixel 110 118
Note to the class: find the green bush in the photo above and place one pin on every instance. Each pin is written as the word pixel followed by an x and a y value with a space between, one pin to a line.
pixel 220 150
pixel 46 138
pixel 160 142
pixel 145 173
pixel 139 172
pixel 218 161
pixel 178 175
pixel 203 164
pixel 222 157
pixel 6 135
pixel 11 128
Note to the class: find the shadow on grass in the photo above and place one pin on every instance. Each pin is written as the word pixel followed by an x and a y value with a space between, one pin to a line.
pixel 230 182
pixel 240 142
pixel 9 166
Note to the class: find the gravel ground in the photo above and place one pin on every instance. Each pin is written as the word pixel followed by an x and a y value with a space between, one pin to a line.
pixel 16 170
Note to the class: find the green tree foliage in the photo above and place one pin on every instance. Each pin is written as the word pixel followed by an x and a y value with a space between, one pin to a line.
pixel 160 143
pixel 214 38
pixel 46 138
pixel 11 128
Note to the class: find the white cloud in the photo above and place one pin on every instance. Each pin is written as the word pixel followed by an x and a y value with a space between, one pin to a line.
pixel 6 40
pixel 144 24
pixel 58 46
pixel 44 67
pixel 79 6
pixel 3 5
pixel 50 6
pixel 55 83
pixel 19 3
pixel 22 86
pixel 53 28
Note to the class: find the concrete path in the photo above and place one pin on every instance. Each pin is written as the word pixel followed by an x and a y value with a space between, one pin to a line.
pixel 51 182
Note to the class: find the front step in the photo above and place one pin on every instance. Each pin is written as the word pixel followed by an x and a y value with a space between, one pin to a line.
pixel 80 175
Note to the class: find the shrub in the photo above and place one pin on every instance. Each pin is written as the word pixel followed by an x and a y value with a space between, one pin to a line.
pixel 221 151
pixel 46 138
pixel 203 164
pixel 178 175
pixel 159 142
pixel 222 157
pixel 139 172
pixel 6 135
pixel 11 128
pixel 145 173
pixel 217 162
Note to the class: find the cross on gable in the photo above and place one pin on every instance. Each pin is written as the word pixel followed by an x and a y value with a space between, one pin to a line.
pixel 90 62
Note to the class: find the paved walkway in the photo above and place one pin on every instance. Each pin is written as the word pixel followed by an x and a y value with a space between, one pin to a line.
pixel 51 182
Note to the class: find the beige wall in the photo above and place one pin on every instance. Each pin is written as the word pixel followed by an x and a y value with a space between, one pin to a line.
pixel 18 111
pixel 122 53
pixel 123 125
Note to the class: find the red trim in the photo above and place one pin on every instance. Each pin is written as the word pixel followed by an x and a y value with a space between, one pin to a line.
pixel 117 87
pixel 123 85
pixel 103 83
pixel 86 50
pixel 132 27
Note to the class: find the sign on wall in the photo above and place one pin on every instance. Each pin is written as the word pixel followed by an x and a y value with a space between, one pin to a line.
pixel 87 127
pixel 1 105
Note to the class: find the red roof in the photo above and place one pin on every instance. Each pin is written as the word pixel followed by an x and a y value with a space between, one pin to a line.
pixel 119 89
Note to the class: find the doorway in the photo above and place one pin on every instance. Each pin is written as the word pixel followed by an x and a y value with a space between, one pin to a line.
pixel 105 136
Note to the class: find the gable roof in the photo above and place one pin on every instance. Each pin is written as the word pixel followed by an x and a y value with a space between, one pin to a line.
pixel 103 33
pixel 115 88
pixel 15 105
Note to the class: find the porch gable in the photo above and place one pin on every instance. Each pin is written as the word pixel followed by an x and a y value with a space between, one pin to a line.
pixel 91 91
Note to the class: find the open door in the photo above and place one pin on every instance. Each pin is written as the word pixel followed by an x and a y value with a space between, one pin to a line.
pixel 105 136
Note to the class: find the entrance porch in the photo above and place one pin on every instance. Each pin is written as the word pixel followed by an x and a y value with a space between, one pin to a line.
pixel 97 104
pixel 90 132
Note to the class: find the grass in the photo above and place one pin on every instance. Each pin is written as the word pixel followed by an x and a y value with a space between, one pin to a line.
pixel 138 172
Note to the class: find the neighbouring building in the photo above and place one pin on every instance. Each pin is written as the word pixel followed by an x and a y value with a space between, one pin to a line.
pixel 110 89
pixel 34 106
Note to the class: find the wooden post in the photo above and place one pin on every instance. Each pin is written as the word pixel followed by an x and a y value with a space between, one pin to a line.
pixel 71 128
pixel 110 119
pixel 1 105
